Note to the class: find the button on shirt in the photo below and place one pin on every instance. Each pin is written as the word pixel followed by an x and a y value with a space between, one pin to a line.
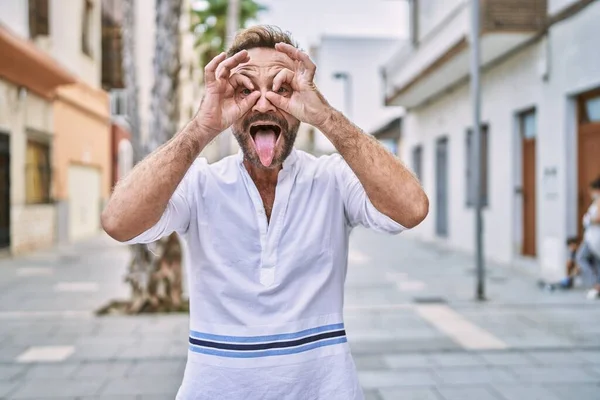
pixel 266 298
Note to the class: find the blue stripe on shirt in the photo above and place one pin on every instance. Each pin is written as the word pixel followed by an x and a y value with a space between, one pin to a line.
pixel 267 338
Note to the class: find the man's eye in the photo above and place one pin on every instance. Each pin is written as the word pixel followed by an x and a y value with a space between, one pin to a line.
pixel 246 91
pixel 282 90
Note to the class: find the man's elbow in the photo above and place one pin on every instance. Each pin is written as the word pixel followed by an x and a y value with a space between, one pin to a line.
pixel 111 225
pixel 418 213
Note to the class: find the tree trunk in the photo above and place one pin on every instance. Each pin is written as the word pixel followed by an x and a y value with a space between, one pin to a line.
pixel 154 272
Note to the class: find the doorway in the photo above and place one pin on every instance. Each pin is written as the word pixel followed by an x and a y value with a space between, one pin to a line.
pixel 441 187
pixel 528 134
pixel 4 190
pixel 588 151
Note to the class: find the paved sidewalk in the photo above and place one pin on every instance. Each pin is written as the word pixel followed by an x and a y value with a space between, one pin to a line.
pixel 414 329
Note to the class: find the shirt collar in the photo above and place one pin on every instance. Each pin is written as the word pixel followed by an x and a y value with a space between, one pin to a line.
pixel 288 163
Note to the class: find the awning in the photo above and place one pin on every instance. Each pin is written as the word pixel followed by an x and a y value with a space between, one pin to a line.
pixel 22 63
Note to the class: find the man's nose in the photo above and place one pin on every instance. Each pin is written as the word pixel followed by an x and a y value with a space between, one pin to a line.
pixel 263 105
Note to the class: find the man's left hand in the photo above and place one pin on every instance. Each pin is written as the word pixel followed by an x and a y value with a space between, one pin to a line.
pixel 295 92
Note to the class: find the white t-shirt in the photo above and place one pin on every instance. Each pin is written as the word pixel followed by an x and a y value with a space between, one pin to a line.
pixel 266 299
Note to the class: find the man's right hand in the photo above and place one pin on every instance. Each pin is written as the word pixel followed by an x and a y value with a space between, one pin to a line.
pixel 226 99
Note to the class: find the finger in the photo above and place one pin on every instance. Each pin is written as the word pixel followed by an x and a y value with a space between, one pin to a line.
pixel 278 101
pixel 237 80
pixel 283 76
pixel 249 102
pixel 211 67
pixel 224 69
pixel 298 55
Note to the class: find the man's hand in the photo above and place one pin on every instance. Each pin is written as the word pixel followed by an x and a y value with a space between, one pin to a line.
pixel 295 92
pixel 223 104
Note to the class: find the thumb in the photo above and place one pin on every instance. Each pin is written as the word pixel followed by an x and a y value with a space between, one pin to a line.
pixel 278 101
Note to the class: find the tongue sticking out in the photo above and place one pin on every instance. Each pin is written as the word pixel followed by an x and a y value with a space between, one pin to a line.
pixel 265 145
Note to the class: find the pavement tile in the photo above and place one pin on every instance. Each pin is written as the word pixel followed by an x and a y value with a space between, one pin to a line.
pixel 51 371
pixel 133 397
pixel 409 394
pixel 506 359
pixel 10 371
pixel 370 362
pixel 372 395
pixel 458 360
pixel 387 379
pixel 467 393
pixel 398 346
pixel 95 353
pixel 473 376
pixel 591 356
pixel 51 354
pixel 8 353
pixel 521 392
pixel 158 368
pixel 6 388
pixel 571 374
pixel 576 391
pixel 117 369
pixel 556 358
pixel 143 385
pixel 46 388
pixel 408 361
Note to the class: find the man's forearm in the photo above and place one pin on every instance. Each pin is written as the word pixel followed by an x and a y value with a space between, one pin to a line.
pixel 140 199
pixel 390 186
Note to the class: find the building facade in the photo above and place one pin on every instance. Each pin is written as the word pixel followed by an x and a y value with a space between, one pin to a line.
pixel 29 79
pixel 349 76
pixel 540 123
pixel 57 118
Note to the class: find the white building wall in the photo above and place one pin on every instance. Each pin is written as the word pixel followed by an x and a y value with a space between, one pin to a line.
pixel 361 57
pixel 14 14
pixel 450 116
pixel 571 57
pixel 574 68
pixel 64 44
pixel 64 40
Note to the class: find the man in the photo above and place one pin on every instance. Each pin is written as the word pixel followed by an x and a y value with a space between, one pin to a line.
pixel 268 228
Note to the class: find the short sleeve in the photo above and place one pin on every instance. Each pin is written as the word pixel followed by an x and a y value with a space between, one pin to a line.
pixel 178 214
pixel 358 208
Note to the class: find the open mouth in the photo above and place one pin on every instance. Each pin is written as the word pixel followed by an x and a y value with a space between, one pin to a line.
pixel 265 138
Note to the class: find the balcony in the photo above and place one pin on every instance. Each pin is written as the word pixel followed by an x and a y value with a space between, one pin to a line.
pixel 440 61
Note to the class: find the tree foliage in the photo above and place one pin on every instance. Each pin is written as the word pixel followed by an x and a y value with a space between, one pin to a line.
pixel 210 26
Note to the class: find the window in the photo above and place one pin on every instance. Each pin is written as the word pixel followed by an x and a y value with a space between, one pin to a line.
pixel 86 27
pixel 417 161
pixel 470 156
pixel 118 102
pixel 38 18
pixel 592 109
pixel 528 125
pixel 37 173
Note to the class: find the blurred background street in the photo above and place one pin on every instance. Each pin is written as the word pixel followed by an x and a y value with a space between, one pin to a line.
pixel 413 326
pixel 88 88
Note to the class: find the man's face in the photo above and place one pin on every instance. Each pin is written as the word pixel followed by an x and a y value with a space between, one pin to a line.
pixel 265 134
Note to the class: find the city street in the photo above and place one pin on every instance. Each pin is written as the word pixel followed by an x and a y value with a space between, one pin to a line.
pixel 415 331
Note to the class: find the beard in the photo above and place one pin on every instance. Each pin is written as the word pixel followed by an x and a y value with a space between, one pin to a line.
pixel 287 137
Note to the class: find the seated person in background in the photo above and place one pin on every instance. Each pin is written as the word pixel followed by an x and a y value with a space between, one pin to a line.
pixel 572 269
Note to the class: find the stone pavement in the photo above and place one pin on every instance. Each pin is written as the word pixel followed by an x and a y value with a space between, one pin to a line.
pixel 415 332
